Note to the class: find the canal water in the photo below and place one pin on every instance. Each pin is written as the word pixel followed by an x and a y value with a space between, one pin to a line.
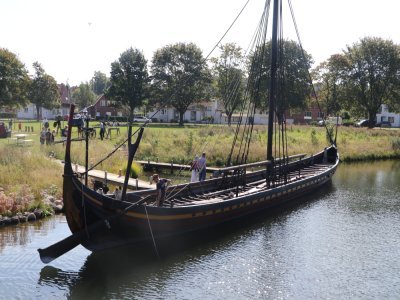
pixel 343 243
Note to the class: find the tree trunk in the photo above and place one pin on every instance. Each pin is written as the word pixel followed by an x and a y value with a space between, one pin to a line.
pixel 229 118
pixel 181 118
pixel 371 119
pixel 38 117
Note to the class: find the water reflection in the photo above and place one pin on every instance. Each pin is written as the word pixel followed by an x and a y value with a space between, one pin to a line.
pixel 342 242
pixel 213 257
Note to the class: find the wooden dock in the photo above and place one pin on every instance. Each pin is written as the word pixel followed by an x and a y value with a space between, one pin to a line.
pixel 153 165
pixel 115 179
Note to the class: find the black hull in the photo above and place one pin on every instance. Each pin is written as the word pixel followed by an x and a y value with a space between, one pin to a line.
pixel 122 223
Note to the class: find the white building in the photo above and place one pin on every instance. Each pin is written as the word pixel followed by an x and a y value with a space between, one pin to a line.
pixel 30 112
pixel 196 113
pixel 204 111
pixel 385 116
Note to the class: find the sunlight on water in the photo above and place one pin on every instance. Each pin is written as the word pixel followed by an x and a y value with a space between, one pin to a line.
pixel 341 243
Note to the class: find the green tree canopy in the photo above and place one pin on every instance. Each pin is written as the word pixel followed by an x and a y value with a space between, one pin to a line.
pixel 295 86
pixel 129 80
pixel 330 78
pixel 229 75
pixel 14 80
pixel 43 91
pixel 180 76
pixel 372 75
pixel 83 95
pixel 99 83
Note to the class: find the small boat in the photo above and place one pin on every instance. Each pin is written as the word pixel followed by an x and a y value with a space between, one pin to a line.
pixel 99 221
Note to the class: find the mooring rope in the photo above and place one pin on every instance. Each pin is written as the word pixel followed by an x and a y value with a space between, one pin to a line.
pixel 151 232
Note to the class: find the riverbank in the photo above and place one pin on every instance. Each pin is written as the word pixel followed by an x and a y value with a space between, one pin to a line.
pixel 28 172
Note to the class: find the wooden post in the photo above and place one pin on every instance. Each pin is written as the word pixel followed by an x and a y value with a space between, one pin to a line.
pixel 137 184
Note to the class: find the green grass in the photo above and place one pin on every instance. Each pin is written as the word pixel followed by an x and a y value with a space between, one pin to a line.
pixel 28 171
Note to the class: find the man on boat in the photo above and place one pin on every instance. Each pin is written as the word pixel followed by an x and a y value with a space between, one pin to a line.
pixel 161 185
pixel 202 167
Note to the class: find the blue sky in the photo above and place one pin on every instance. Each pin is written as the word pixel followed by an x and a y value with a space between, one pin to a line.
pixel 73 39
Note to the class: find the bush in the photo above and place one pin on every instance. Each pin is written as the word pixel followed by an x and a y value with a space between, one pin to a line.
pixel 136 170
pixel 396 144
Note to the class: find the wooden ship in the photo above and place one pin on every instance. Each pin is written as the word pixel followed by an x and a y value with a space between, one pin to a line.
pixel 100 221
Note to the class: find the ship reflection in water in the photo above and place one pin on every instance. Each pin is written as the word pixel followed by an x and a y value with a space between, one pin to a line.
pixel 341 243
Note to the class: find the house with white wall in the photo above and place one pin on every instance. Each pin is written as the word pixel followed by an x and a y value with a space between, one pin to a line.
pixel 30 112
pixel 196 113
pixel 385 115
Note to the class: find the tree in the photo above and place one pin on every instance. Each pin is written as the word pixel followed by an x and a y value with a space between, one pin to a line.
pixel 227 70
pixel 295 86
pixel 180 76
pixel 330 76
pixel 14 80
pixel 99 83
pixel 83 95
pixel 43 91
pixel 372 74
pixel 129 80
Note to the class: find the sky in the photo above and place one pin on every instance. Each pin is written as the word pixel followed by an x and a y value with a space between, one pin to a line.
pixel 73 39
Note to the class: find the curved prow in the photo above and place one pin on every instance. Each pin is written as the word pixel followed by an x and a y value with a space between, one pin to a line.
pixel 67 158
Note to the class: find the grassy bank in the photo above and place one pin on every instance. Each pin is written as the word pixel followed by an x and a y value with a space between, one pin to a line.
pixel 26 173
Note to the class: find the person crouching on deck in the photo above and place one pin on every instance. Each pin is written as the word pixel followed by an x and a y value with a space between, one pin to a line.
pixel 161 185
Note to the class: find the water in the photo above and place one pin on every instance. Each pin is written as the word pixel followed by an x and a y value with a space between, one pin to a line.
pixel 343 243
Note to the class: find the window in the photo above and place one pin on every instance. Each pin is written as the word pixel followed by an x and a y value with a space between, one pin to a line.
pixel 163 111
pixel 103 103
pixel 321 115
pixel 391 119
pixel 307 115
pixel 193 115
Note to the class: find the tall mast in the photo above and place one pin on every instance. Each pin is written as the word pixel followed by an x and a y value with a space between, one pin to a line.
pixel 272 87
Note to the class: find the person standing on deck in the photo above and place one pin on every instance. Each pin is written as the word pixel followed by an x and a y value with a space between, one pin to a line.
pixel 202 167
pixel 161 186
pixel 195 169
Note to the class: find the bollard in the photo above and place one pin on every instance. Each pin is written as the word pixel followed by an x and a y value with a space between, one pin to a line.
pixel 119 173
pixel 76 167
pixel 172 167
pixel 105 176
pixel 137 184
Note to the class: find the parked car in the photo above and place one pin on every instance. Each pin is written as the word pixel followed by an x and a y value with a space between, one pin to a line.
pixel 331 121
pixel 363 123
pixel 141 119
pixel 383 124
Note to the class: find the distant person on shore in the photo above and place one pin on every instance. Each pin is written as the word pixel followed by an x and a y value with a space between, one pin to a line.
pixel 202 164
pixel 48 136
pixel 43 136
pixel 195 169
pixel 64 132
pixel 46 123
pixel 102 130
pixel 57 124
pixel 161 186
